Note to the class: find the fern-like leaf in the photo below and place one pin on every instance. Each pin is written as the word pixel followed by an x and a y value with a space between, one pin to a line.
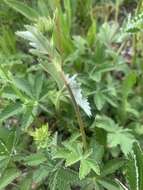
pixel 39 44
pixel 77 92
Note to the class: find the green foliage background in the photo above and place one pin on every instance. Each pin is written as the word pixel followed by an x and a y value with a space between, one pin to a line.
pixel 71 95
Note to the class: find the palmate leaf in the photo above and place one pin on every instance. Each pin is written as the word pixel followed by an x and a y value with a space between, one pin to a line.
pixel 121 137
pixel 41 173
pixel 105 123
pixel 29 113
pixel 108 33
pixel 38 84
pixel 4 161
pixel 8 176
pixel 112 166
pixel 84 169
pixel 31 86
pixel 9 94
pixel 7 146
pixel 86 165
pixel 63 179
pixel 11 110
pixel 72 152
pixel 23 85
pixel 97 149
pixel 77 92
pixel 35 159
pixel 99 100
pixel 116 135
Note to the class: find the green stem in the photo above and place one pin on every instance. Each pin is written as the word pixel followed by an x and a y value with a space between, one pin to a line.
pixel 76 107
pixel 78 115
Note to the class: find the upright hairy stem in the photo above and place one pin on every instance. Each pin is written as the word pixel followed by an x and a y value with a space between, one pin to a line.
pixel 78 115
pixel 76 107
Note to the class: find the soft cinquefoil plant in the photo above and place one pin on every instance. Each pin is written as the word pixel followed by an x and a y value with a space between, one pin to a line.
pixel 71 95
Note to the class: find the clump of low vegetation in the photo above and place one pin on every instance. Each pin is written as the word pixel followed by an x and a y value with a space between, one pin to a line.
pixel 71 96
